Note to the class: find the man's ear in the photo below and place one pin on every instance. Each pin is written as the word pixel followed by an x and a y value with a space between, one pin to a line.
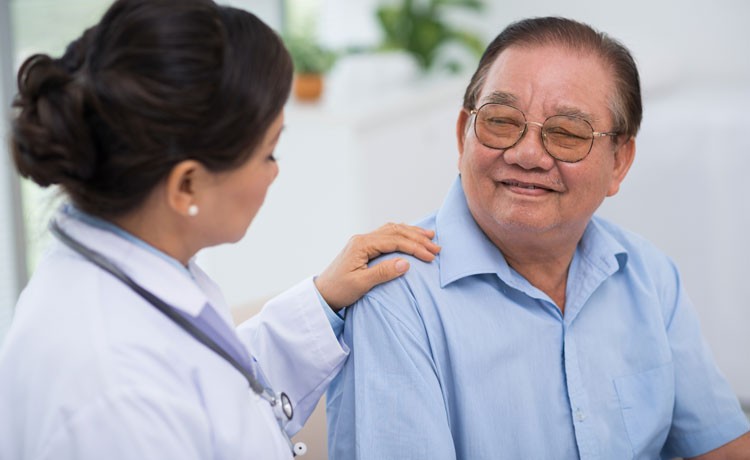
pixel 462 128
pixel 183 185
pixel 624 156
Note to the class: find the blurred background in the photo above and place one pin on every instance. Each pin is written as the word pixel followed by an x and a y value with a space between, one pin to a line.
pixel 377 143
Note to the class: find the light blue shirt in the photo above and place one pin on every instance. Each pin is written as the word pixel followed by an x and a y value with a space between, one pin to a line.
pixel 462 358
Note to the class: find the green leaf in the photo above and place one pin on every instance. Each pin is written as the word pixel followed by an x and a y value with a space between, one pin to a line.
pixel 419 29
pixel 308 56
pixel 475 5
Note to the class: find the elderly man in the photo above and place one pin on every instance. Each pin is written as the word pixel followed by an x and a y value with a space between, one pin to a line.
pixel 541 331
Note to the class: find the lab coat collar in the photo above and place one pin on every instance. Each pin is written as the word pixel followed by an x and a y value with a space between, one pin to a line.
pixel 174 284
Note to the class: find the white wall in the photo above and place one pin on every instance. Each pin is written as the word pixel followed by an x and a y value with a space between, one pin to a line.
pixel 380 147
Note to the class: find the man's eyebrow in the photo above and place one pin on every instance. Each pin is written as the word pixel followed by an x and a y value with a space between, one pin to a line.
pixel 499 97
pixel 502 97
pixel 574 112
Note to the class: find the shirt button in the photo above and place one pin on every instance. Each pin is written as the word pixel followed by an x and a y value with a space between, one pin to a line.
pixel 579 415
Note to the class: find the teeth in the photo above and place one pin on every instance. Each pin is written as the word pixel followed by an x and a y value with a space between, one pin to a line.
pixel 524 186
pixel 528 187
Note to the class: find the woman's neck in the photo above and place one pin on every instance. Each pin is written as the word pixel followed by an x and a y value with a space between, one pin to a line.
pixel 161 228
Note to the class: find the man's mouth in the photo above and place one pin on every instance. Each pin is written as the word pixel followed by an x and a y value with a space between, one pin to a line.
pixel 525 185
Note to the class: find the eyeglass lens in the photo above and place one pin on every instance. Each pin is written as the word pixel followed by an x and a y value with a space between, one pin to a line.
pixel 566 138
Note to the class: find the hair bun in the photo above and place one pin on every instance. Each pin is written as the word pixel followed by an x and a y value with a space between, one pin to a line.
pixel 51 142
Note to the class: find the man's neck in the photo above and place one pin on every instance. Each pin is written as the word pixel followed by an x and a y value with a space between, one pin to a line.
pixel 543 259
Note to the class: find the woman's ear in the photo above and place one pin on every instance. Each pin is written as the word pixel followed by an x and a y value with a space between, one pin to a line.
pixel 183 187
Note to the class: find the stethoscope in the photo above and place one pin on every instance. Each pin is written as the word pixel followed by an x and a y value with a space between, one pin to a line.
pixel 280 403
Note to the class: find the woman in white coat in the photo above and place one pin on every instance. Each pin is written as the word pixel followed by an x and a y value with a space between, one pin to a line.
pixel 159 124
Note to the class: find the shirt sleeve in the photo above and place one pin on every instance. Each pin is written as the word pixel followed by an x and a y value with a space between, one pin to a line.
pixel 707 414
pixel 128 423
pixel 294 344
pixel 387 401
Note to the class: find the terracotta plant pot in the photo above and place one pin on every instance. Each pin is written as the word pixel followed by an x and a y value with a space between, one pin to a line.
pixel 308 87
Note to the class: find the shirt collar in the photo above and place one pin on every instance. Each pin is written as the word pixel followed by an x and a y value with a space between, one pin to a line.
pixel 151 268
pixel 467 251
pixel 600 249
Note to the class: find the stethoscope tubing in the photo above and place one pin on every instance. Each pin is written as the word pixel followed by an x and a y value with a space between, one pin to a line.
pixel 280 404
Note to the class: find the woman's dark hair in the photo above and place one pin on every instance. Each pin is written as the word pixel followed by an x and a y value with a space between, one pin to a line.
pixel 155 82
pixel 625 105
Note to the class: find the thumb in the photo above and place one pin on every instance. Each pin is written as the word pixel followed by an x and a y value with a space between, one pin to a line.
pixel 386 271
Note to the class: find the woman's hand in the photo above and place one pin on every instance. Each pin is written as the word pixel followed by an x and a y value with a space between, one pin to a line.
pixel 348 277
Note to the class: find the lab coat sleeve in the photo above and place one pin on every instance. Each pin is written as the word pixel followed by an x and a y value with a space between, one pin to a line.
pixel 293 343
pixel 387 402
pixel 128 423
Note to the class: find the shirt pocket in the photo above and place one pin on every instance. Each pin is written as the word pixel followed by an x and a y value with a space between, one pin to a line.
pixel 647 402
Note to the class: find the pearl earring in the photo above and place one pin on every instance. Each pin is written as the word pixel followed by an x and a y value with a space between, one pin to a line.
pixel 192 210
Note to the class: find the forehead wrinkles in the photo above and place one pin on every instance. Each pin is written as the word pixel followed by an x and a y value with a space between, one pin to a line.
pixel 590 78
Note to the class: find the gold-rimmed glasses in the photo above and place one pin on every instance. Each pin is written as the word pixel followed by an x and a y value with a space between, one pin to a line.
pixel 565 137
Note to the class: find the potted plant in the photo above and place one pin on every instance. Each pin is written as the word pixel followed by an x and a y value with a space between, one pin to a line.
pixel 419 28
pixel 311 62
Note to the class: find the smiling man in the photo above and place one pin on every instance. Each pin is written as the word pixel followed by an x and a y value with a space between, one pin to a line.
pixel 540 331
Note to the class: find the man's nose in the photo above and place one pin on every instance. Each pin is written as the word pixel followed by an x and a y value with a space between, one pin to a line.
pixel 529 151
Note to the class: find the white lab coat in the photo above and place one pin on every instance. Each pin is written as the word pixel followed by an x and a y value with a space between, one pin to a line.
pixel 89 370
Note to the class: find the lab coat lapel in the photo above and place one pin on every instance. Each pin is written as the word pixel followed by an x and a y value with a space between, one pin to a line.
pixel 220 332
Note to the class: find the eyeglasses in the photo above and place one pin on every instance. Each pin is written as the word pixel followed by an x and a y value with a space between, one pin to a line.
pixel 565 138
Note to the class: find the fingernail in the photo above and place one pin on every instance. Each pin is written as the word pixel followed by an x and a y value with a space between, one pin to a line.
pixel 402 265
